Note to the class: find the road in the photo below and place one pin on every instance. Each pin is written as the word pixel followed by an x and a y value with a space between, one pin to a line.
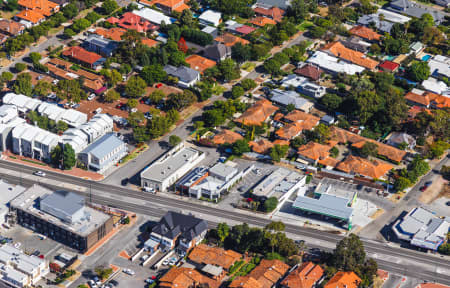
pixel 403 261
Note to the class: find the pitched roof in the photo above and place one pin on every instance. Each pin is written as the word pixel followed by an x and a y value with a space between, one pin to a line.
pixel 217 51
pixel 281 142
pixel 365 33
pixel 389 65
pixel 199 63
pixel 268 272
pixel 344 280
pixel 183 73
pixel 343 136
pixel 262 21
pixel 289 131
pixel 310 71
pixel 173 224
pixel 230 40
pixel 149 42
pixel 82 55
pixel 245 282
pixel 258 113
pixel 245 29
pixel 181 277
pixel 305 276
pixel 297 115
pixel 358 165
pixel 358 58
pixel 262 146
pixel 314 151
pixel 30 16
pixel 132 21
pixel 43 7
pixel 103 146
pixel 299 121
pixel 428 98
pixel 204 254
pixel 226 136
pixel 114 33
pixel 11 27
pixel 174 5
pixel 274 12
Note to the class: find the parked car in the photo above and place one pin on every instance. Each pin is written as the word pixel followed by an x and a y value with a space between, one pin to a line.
pixel 148 115
pixel 91 97
pixel 149 190
pixel 165 262
pixel 39 173
pixel 145 257
pixel 128 271
pixel 423 188
pixel 98 110
pixel 124 182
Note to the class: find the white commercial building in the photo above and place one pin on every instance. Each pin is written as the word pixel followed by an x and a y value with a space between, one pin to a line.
pixel 153 16
pixel 18 269
pixel 34 142
pixel 53 112
pixel 8 192
pixel 9 118
pixel 333 65
pixel 210 17
pixel 22 102
pixel 165 171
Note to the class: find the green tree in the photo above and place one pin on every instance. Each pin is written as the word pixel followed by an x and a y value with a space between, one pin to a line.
pixel 174 140
pixel 401 183
pixel 241 53
pixel 61 126
pixel 322 133
pixel 7 76
pixel 111 96
pixel 23 85
pixel 229 69
pixel 444 249
pixel 109 6
pixel 278 152
pixel 369 149
pixel 153 73
pixel 213 118
pixel 140 134
pixel 132 103
pixel 70 10
pixel 135 118
pixel 438 148
pixel 70 90
pixel 237 91
pixel 317 32
pixel 331 101
pixel 298 10
pixel 275 226
pixel 240 147
pixel 222 231
pixel 419 71
pixel 135 87
pixel 69 157
pixel 20 67
pixel 56 155
pixel 187 18
pixel 156 96
pixel 270 204
pixel 42 88
pixel 334 152
pixel 69 33
pixel 181 100
pixel 35 57
pixel 103 273
pixel 272 66
pixel 248 84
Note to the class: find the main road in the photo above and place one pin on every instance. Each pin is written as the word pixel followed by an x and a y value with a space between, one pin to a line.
pixel 392 258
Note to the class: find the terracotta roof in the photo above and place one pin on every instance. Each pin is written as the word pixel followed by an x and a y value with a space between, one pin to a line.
pixel 329 162
pixel 414 110
pixel 114 33
pixel 358 58
pixel 245 29
pixel 305 276
pixel 149 42
pixel 428 98
pixel 132 21
pixel 199 63
pixel 258 113
pixel 278 116
pixel 310 71
pixel 180 277
pixel 204 254
pixel 11 27
pixel 113 20
pixel 357 141
pixel 226 136
pixel 173 5
pixel 230 40
pixel 289 131
pixel 30 16
pixel 314 151
pixel 82 55
pixel 389 65
pixel 297 116
pixel 275 13
pixel 281 142
pixel 43 7
pixel 262 21
pixel 262 146
pixel 245 282
pixel 358 165
pixel 365 33
pixel 299 121
pixel 344 280
pixel 268 272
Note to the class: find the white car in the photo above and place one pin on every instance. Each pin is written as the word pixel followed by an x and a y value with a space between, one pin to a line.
pixel 166 262
pixel 128 271
pixel 145 257
pixel 91 97
pixel 39 173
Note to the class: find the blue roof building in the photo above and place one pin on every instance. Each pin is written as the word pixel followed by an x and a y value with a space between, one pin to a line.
pixel 98 44
pixel 103 153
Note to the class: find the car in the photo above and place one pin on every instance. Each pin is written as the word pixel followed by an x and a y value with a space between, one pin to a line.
pixel 36 253
pixel 39 173
pixel 423 188
pixel 124 182
pixel 359 187
pixel 243 188
pixel 17 245
pixel 149 189
pixel 165 262
pixel 128 271
pixel 91 97
pixel 98 110
pixel 447 203
pixel 428 183
pixel 76 106
pixel 120 105
pixel 222 159
pixel 368 190
pixel 148 115
pixel 149 281
pixel 145 257
pixel 133 110
pixel 172 262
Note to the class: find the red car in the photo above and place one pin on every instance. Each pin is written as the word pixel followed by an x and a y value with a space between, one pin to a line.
pixel 423 188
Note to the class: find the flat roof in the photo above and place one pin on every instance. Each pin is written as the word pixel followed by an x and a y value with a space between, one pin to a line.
pixel 8 193
pixel 222 170
pixel 277 183
pixel 169 163
pixel 326 204
pixel 27 263
pixel 28 202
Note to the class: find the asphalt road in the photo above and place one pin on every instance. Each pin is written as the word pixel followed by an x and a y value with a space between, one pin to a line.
pixel 394 259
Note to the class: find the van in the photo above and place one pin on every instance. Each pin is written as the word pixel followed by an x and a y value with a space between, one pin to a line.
pixel 149 190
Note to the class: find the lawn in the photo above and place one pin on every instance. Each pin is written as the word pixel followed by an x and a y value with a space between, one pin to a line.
pixel 248 66
pixel 305 25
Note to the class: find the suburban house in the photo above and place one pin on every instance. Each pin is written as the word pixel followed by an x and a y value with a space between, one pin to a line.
pixel 357 44
pixel 389 66
pixel 273 12
pixel 369 168
pixel 257 113
pixel 100 45
pixel 427 99
pixel 436 86
pixel 338 50
pixel 153 16
pixel 210 18
pixel 265 275
pixel 79 55
pixel 344 279
pixel 398 138
pixel 226 136
pixel 333 65
pixel 217 52
pixel 131 21
pixel 415 10
pixel 176 230
pixel 114 33
pixel 297 122
pixel 307 275
pixel 365 33
pixel 187 77
pixel 183 277
pixel 286 97
pixel 103 153
pixel 262 21
pixel 53 112
pixel 199 63
pixel 29 18
pixel 203 256
pixel 11 28
pixel 44 7
pixel 262 146
pixel 383 26
pixel 439 66
pixel 230 40
pixel 310 71
pixel 167 6
pixel 165 171
pixel 314 153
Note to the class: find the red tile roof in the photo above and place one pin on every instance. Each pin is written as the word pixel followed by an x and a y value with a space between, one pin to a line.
pixel 245 30
pixel 365 33
pixel 344 280
pixel 275 13
pixel 314 151
pixel 199 63
pixel 258 113
pixel 262 146
pixel 132 21
pixel 114 33
pixel 44 7
pixel 180 277
pixel 229 40
pixel 82 55
pixel 428 98
pixel 262 21
pixel 226 136
pixel 204 254
pixel 310 71
pixel 358 165
pixel 30 16
pixel 11 27
pixel 389 65
pixel 149 42
pixel 356 57
pixel 305 276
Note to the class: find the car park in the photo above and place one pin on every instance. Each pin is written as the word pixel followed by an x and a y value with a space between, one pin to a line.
pixel 39 173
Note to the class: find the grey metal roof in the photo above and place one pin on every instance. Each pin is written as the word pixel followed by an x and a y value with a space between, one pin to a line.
pixel 283 4
pixel 326 204
pixel 415 10
pixel 103 146
pixel 217 51
pixel 183 73
pixel 68 202
pixel 288 97
pixel 212 269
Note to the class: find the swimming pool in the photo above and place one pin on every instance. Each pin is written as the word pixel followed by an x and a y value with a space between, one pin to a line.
pixel 426 57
